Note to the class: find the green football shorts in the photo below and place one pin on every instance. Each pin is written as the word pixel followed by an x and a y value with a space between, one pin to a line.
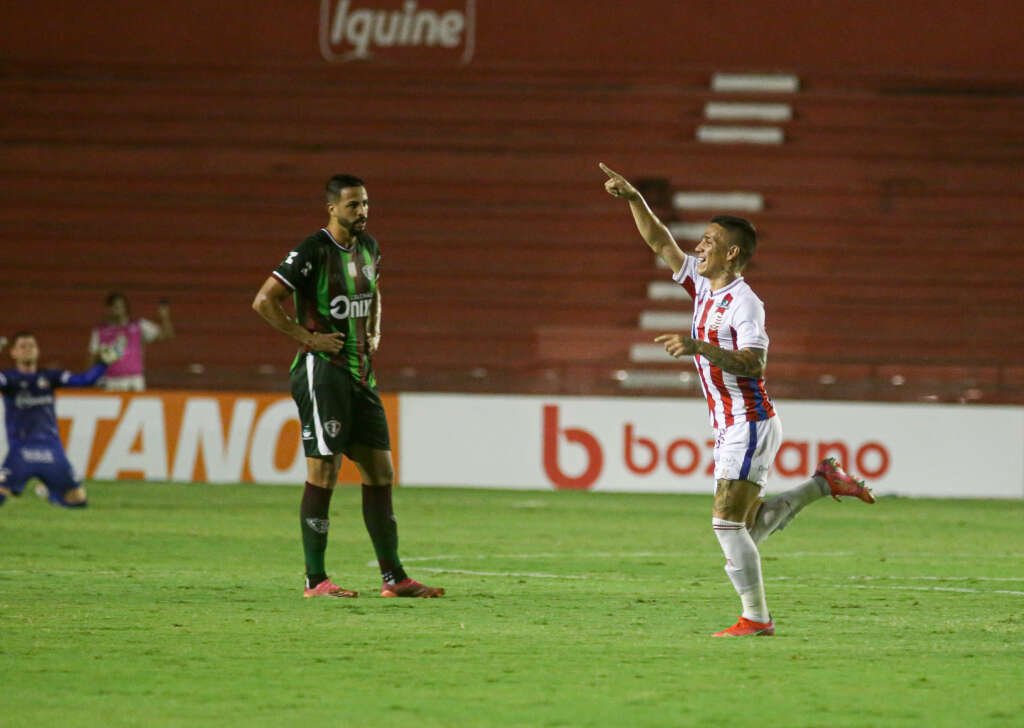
pixel 335 410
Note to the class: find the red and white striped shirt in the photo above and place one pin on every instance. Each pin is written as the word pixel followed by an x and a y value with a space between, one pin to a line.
pixel 731 318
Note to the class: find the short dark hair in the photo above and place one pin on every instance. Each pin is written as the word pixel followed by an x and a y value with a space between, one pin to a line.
pixel 743 235
pixel 339 182
pixel 114 296
pixel 23 334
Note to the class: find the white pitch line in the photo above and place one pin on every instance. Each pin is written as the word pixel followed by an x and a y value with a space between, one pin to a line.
pixel 945 578
pixel 957 590
pixel 795 581
pixel 949 555
pixel 552 555
pixel 605 555
pixel 532 574
pixel 68 572
pixel 937 588
pixel 789 581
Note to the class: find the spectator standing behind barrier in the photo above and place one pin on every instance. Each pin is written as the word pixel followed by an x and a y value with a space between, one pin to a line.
pixel 129 337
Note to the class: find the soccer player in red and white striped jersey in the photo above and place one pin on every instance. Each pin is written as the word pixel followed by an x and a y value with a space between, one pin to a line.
pixel 729 346
pixel 731 318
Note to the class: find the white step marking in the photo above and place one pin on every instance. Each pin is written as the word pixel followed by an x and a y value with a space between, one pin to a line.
pixel 667 291
pixel 711 134
pixel 687 230
pixel 746 111
pixel 648 353
pixel 665 320
pixel 643 379
pixel 755 82
pixel 743 201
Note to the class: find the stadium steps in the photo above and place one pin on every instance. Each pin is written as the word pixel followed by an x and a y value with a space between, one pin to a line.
pixel 147 170
pixel 193 183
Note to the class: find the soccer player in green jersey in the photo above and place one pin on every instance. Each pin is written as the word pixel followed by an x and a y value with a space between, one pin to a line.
pixel 334 277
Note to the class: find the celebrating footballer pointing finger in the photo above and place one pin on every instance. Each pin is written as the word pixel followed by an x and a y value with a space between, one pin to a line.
pixel 729 346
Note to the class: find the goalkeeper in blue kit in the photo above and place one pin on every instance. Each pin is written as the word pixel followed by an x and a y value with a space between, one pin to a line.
pixel 34 449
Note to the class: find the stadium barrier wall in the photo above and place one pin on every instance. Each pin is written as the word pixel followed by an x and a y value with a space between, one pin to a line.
pixel 211 437
pixel 665 445
pixel 537 442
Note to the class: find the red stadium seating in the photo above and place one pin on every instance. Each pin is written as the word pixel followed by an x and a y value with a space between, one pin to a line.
pixel 889 244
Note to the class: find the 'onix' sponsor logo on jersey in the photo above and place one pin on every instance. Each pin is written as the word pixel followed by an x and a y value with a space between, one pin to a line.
pixel 342 307
pixel 357 29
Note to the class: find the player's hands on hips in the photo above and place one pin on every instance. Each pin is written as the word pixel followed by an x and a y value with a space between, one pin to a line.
pixel 677 345
pixel 618 186
pixel 329 343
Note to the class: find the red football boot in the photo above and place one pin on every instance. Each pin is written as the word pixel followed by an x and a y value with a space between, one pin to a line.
pixel 410 588
pixel 327 588
pixel 842 483
pixel 746 627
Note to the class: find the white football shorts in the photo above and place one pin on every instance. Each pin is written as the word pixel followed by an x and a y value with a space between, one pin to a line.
pixel 746 450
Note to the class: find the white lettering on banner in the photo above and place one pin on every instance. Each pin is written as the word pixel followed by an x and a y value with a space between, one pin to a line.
pixel 201 426
pixel 664 445
pixel 264 445
pixel 84 413
pixel 143 420
pixel 152 428
pixel 348 32
pixel 871 459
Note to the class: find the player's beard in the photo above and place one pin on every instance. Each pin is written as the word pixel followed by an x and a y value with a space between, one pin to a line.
pixel 356 226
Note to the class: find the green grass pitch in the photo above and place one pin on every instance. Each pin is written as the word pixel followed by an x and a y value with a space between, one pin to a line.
pixel 180 605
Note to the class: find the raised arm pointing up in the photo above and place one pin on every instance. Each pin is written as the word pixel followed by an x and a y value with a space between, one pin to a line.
pixel 651 228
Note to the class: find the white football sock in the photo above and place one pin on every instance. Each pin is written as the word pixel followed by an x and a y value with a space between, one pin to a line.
pixel 776 512
pixel 743 565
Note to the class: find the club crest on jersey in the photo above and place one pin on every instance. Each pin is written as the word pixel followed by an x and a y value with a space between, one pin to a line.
pixel 42 383
pixel 368 271
pixel 332 428
pixel 720 310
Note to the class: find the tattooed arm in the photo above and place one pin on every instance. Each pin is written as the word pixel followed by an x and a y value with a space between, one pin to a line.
pixel 743 362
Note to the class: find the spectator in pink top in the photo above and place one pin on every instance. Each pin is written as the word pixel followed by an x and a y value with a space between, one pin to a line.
pixel 129 337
